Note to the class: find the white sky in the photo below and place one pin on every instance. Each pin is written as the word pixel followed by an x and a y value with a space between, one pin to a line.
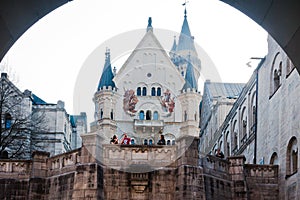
pixel 48 57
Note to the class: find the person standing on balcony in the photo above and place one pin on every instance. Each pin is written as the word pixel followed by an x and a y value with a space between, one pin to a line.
pixel 126 139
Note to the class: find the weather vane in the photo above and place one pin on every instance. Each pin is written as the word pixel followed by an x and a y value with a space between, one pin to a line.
pixel 184 4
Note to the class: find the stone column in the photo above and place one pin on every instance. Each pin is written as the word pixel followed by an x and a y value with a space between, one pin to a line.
pixel 236 171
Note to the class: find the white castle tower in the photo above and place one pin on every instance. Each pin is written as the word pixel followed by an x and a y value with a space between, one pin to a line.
pixel 147 97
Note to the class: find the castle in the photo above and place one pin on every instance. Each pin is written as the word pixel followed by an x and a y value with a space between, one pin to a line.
pixel 153 94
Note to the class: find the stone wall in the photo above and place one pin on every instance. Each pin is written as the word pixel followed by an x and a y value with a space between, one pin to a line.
pixel 77 175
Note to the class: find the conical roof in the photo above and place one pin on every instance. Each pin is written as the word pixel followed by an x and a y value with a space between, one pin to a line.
pixel 186 40
pixel 107 74
pixel 190 80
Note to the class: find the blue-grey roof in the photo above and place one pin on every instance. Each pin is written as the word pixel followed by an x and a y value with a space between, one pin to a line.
pixel 190 80
pixel 174 46
pixel 38 101
pixel 107 74
pixel 228 90
pixel 186 41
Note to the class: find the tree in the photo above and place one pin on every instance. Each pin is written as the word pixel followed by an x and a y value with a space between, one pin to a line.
pixel 19 122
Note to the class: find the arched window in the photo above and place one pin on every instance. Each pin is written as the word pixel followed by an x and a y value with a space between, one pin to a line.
pixel 158 92
pixel 275 74
pixel 243 135
pixel 112 114
pixel 142 115
pixel 292 157
pixel 150 142
pixel 145 142
pixel 252 115
pixel 227 144
pixel 168 142
pixel 274 159
pixel 173 142
pixel 144 91
pixel 234 137
pixel 155 115
pixel 185 116
pixel 8 119
pixel 148 115
pixel 138 91
pixel 132 141
pixel 101 114
pixel 153 92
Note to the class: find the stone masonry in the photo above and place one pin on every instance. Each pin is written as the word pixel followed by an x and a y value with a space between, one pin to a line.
pixel 77 175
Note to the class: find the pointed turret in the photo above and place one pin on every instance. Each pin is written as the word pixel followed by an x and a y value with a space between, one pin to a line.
pixel 107 74
pixel 174 47
pixel 149 27
pixel 186 40
pixel 190 80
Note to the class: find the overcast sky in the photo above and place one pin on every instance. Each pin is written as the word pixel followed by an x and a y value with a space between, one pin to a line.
pixel 49 56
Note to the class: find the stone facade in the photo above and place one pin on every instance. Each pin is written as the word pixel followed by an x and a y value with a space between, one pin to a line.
pixel 262 124
pixel 278 119
pixel 47 126
pixel 77 175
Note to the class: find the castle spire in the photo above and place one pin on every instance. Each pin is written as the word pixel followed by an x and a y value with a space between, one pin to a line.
pixel 190 80
pixel 107 74
pixel 186 40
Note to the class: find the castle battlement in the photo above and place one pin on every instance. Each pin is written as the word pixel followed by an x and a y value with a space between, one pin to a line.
pixel 190 90
pixel 108 89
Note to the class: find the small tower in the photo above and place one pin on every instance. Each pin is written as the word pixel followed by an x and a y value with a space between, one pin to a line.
pixel 105 101
pixel 190 98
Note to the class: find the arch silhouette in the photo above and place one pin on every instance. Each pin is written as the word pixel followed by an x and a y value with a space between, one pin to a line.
pixel 281 19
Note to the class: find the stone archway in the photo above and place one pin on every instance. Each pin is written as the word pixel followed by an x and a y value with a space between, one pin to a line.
pixel 281 19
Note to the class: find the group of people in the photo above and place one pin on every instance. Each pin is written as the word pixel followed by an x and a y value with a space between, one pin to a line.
pixel 126 140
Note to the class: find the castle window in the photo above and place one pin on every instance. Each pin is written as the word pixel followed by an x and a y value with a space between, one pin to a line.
pixel 150 142
pixel 101 114
pixel 155 115
pixel 234 137
pixel 275 74
pixel 148 115
pixel 144 91
pixel 227 150
pixel 158 92
pixel 138 91
pixel 145 142
pixel 243 135
pixel 8 120
pixel 132 141
pixel 112 114
pixel 274 159
pixel 168 142
pixel 173 142
pixel 142 115
pixel 292 157
pixel 153 92
pixel 185 116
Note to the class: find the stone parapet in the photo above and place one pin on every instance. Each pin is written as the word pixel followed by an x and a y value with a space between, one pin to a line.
pixel 132 157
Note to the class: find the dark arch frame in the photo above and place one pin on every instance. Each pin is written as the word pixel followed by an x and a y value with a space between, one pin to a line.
pixel 281 19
